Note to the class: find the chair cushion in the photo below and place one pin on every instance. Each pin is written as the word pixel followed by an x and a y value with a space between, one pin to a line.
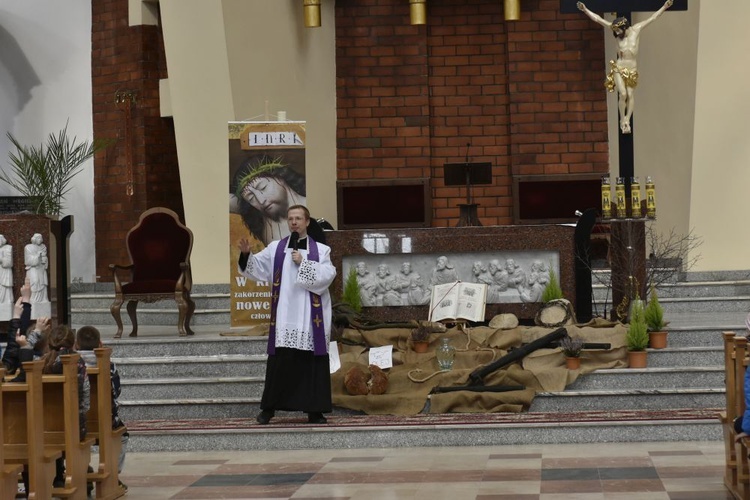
pixel 149 286
pixel 157 247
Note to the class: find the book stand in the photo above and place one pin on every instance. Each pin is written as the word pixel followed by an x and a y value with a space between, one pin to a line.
pixel 456 174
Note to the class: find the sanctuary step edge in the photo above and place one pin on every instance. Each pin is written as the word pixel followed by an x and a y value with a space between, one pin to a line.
pixel 213 382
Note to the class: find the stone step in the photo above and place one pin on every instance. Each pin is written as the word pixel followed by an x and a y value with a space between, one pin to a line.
pixel 698 336
pixel 686 289
pixel 685 356
pixel 188 346
pixel 233 365
pixel 634 399
pixel 651 378
pixel 102 301
pixel 186 389
pixel 292 432
pixel 145 316
pixel 195 408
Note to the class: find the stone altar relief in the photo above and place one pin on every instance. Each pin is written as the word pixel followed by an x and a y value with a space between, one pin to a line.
pixel 407 279
pixel 6 280
pixel 36 261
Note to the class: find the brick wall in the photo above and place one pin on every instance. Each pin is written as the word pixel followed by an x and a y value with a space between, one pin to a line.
pixel 128 59
pixel 527 96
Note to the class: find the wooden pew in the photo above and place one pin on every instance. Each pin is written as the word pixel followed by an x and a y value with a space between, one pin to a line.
pixel 100 426
pixel 23 431
pixel 741 447
pixel 730 412
pixel 8 472
pixel 61 427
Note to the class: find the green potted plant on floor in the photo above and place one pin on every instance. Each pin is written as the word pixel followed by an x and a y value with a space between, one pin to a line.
pixel 654 315
pixel 636 337
pixel 571 347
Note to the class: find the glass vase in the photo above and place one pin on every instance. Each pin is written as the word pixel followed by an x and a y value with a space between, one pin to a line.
pixel 445 353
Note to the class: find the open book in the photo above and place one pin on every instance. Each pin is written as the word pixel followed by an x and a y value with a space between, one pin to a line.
pixel 458 301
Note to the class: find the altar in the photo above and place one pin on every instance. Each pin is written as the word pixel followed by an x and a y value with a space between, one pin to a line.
pixel 397 267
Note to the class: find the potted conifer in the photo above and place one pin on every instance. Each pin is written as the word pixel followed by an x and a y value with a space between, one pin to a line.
pixel 636 338
pixel 654 315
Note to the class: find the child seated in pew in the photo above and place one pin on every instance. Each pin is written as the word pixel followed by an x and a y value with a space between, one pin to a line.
pixel 61 342
pixel 25 343
pixel 12 357
pixel 88 338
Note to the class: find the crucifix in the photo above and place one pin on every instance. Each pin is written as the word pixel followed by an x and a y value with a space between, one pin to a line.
pixel 628 236
pixel 623 73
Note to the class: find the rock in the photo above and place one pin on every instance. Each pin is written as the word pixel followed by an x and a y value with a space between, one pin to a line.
pixel 504 321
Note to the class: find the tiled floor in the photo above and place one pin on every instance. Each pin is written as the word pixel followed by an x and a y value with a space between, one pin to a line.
pixel 643 471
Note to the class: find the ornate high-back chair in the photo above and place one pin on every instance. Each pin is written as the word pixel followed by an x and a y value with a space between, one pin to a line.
pixel 159 247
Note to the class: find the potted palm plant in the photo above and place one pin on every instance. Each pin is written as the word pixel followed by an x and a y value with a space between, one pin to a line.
pixel 654 315
pixel 571 347
pixel 45 173
pixel 636 337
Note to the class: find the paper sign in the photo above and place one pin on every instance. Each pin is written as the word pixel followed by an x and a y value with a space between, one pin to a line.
pixel 382 356
pixel 333 357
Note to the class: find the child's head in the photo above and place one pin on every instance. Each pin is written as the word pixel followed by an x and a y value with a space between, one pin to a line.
pixel 88 338
pixel 61 336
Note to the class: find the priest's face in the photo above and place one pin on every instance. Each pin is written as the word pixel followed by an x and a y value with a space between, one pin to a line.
pixel 298 221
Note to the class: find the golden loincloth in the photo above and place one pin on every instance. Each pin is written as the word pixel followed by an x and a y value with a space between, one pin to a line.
pixel 630 77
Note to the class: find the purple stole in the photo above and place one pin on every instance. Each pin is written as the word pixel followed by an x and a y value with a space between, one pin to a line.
pixel 316 309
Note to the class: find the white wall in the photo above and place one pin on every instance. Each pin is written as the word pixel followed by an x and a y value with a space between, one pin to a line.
pixel 721 154
pixel 45 80
pixel 248 53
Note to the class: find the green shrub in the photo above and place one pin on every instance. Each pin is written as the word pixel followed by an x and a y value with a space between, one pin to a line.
pixel 351 291
pixel 552 290
pixel 637 337
pixel 654 313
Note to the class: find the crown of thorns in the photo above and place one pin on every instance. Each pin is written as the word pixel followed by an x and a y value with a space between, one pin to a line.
pixel 263 167
pixel 620 23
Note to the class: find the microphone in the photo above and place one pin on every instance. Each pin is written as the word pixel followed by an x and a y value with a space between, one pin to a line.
pixel 295 240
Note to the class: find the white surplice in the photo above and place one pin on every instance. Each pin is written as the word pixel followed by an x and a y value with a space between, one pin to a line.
pixel 293 321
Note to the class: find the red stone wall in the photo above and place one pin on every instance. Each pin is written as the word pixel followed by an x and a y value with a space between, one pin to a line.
pixel 128 60
pixel 526 95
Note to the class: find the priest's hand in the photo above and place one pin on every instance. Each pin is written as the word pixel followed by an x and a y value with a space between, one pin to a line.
pixel 244 245
pixel 296 257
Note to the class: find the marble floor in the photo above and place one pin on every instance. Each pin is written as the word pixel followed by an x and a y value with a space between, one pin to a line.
pixel 643 471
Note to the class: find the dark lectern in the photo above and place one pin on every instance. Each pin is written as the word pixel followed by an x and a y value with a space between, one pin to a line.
pixel 455 174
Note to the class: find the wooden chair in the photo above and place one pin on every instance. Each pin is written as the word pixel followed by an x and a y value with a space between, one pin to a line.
pixel 8 472
pixel 159 247
pixel 99 422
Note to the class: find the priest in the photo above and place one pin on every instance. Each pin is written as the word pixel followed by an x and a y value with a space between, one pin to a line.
pixel 300 272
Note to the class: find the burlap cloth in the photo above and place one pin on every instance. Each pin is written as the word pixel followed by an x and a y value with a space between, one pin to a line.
pixel 541 371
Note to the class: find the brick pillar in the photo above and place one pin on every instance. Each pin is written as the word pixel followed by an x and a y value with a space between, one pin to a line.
pixel 127 64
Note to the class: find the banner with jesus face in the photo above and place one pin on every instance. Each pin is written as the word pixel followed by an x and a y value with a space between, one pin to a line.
pixel 266 177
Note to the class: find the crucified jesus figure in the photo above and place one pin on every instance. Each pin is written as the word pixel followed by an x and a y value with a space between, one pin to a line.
pixel 623 73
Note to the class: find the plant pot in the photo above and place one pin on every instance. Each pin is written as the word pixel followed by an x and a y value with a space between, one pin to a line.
pixel 572 363
pixel 420 346
pixel 637 359
pixel 657 340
